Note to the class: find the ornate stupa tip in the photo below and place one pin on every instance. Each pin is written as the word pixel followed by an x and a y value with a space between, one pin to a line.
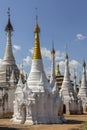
pixel 58 71
pixel 37 28
pixel 53 50
pixel 9 26
pixel 66 56
pixel 84 64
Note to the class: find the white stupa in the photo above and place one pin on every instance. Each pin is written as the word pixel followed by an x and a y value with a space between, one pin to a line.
pixel 83 89
pixel 66 88
pixel 40 103
pixel 71 104
pixel 9 74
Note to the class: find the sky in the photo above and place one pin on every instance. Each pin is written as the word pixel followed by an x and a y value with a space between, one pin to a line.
pixel 62 22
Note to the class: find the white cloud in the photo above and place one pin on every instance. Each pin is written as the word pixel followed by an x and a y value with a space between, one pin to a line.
pixel 48 71
pixel 62 66
pixel 80 36
pixel 27 61
pixel 73 65
pixel 59 55
pixel 16 47
pixel 31 50
pixel 47 54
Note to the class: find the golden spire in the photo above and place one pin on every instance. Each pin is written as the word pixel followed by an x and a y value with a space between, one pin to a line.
pixel 37 52
pixel 58 71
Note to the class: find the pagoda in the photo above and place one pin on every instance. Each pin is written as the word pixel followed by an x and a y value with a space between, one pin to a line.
pixel 71 104
pixel 83 89
pixel 9 73
pixel 37 102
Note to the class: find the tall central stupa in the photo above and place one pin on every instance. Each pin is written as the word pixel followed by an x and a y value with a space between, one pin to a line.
pixel 37 80
pixel 37 102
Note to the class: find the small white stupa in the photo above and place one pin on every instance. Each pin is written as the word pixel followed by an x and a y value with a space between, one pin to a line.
pixel 83 89
pixel 71 104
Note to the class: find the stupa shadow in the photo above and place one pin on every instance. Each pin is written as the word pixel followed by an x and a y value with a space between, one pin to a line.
pixel 74 122
pixel 7 128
